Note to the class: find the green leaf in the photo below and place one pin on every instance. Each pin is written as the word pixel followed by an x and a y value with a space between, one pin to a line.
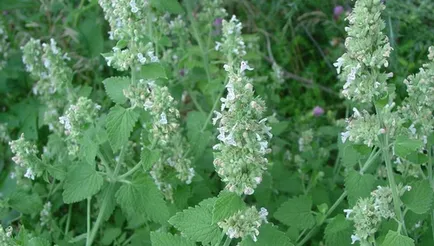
pixel 38 241
pixel 198 139
pixel 25 203
pixel 142 199
pixel 114 87
pixel 338 232
pixel 120 123
pixel 405 146
pixel 296 212
pixel 82 181
pixel 227 204
pixel 148 158
pixel 167 239
pixel 152 70
pixel 196 223
pixel 171 6
pixel 394 238
pixel 419 198
pixel 358 186
pixel 268 235
pixel 109 235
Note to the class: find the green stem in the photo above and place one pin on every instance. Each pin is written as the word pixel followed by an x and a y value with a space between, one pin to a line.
pixel 199 41
pixel 88 220
pixel 228 241
pixel 221 238
pixel 374 154
pixel 214 106
pixel 135 168
pixel 392 183
pixel 68 219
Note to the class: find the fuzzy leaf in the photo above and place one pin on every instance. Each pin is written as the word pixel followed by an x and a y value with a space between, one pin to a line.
pixel 296 212
pixel 268 235
pixel 358 185
pixel 120 123
pixel 114 87
pixel 419 198
pixel 171 6
pixel 148 158
pixel 25 203
pixel 394 238
pixel 405 146
pixel 82 182
pixel 167 239
pixel 227 204
pixel 196 223
pixel 152 71
pixel 338 232
pixel 142 199
pixel 37 241
pixel 199 139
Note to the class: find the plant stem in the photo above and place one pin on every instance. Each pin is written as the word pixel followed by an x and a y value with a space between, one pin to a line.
pixel 374 154
pixel 214 106
pixel 392 183
pixel 221 238
pixel 88 220
pixel 68 219
pixel 228 241
pixel 131 171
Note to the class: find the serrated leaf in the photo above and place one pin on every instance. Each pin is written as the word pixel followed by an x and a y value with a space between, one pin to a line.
pixel 82 181
pixel 338 232
pixel 167 239
pixel 404 146
pixel 148 158
pixel 358 186
pixel 394 238
pixel 152 71
pixel 196 223
pixel 25 203
pixel 419 199
pixel 120 123
pixel 268 235
pixel 227 204
pixel 296 212
pixel 142 199
pixel 114 87
pixel 171 6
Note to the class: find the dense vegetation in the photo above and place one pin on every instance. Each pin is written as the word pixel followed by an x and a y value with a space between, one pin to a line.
pixel 216 122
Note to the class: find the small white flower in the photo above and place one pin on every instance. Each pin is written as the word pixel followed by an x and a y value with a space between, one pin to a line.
pixel 244 66
pixel 218 116
pixel 348 212
pixel 232 233
pixel 248 191
pixel 338 64
pixel 412 129
pixel 29 174
pixel 258 180
pixel 217 45
pixel 345 136
pixel 263 213
pixel 141 58
pixel 163 119
pixel 354 239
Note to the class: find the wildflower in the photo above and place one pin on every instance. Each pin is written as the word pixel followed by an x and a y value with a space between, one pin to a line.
pixel 337 11
pixel 244 223
pixel 25 157
pixel 318 111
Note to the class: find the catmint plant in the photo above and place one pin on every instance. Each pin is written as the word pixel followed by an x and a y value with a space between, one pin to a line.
pixel 243 133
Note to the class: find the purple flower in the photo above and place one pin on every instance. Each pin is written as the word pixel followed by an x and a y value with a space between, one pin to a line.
pixel 337 11
pixel 218 22
pixel 182 72
pixel 318 111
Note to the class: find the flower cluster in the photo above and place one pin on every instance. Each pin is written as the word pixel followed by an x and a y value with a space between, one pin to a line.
pixel 4 45
pixel 243 133
pixel 365 128
pixel 305 140
pixel 6 236
pixel 25 156
pixel 77 118
pixel 46 63
pixel 232 44
pixel 4 134
pixel 211 10
pixel 367 52
pixel 244 223
pixel 165 132
pixel 45 215
pixel 129 22
pixel 369 212
pixel 418 106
